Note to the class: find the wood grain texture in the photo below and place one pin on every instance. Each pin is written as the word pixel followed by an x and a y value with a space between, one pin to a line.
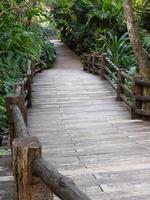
pixel 86 134
pixel 60 185
pixel 28 187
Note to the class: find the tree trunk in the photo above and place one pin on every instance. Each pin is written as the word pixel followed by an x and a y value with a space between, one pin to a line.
pixel 134 35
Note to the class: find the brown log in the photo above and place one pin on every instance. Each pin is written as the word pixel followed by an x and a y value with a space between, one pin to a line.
pixel 111 74
pixel 21 105
pixel 19 124
pixel 32 70
pixel 29 90
pixel 126 89
pixel 98 64
pixel 19 91
pixel 126 101
pixel 137 104
pixel 143 113
pixel 110 82
pixel 143 98
pixel 103 71
pixel 11 100
pixel 111 63
pixel 61 186
pixel 120 81
pixel 93 64
pixel 127 76
pixel 28 187
pixel 143 83
pixel 90 63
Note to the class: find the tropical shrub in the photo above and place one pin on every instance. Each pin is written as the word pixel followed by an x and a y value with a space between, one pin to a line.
pixel 119 51
pixel 22 39
pixel 82 21
pixel 99 26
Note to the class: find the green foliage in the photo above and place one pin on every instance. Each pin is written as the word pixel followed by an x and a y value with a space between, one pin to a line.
pixel 82 21
pixel 142 8
pixel 49 53
pixel 120 51
pixel 99 26
pixel 22 39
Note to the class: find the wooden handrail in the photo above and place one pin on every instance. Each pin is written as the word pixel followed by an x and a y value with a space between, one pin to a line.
pixel 110 73
pixel 144 83
pixel 19 124
pixel 31 164
pixel 133 98
pixel 111 63
pixel 125 100
pixel 127 76
pixel 126 89
pixel 111 82
pixel 143 98
pixel 27 157
pixel 60 185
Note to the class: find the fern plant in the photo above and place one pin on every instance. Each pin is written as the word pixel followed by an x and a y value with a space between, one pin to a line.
pixel 21 40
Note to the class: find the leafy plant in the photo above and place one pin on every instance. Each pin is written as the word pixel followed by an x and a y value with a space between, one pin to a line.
pixel 81 22
pixel 22 39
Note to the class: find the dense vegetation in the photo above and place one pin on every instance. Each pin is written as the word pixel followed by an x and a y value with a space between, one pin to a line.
pixel 24 36
pixel 85 26
pixel 99 26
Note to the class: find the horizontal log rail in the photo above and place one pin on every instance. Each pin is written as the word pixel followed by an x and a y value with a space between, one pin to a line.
pixel 143 98
pixel 111 64
pixel 32 173
pixel 35 178
pixel 142 112
pixel 126 90
pixel 127 102
pixel 22 89
pixel 127 76
pixel 144 83
pixel 60 185
pixel 19 124
pixel 129 88
pixel 110 81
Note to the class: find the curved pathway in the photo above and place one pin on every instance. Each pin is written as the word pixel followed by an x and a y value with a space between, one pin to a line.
pixel 87 135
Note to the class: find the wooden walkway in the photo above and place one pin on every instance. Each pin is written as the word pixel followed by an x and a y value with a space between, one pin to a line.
pixel 87 135
pixel 7 187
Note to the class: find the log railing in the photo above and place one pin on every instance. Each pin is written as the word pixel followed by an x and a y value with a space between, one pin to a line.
pixel 35 178
pixel 129 89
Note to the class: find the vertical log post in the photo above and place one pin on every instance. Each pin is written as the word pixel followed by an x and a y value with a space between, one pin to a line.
pixel 90 63
pixel 120 80
pixel 103 64
pixel 99 62
pixel 29 89
pixel 21 103
pixel 93 63
pixel 11 100
pixel 137 90
pixel 32 69
pixel 28 187
pixel 86 62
